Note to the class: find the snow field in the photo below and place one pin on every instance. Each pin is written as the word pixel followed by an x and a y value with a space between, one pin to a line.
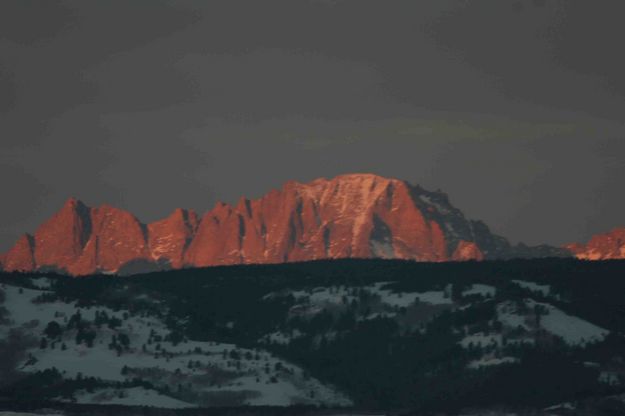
pixel 268 379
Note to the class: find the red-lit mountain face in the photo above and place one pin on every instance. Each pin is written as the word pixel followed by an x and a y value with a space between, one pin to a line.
pixel 350 216
pixel 608 246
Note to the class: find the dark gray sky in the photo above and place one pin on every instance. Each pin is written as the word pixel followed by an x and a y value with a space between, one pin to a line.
pixel 515 108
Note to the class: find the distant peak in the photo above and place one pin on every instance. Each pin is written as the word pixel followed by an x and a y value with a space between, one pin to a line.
pixel 349 179
pixel 178 212
pixel 111 208
pixel 356 177
pixel 181 214
pixel 73 202
pixel 26 237
pixel 361 176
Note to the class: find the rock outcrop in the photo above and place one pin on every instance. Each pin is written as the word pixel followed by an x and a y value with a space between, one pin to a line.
pixel 608 246
pixel 21 256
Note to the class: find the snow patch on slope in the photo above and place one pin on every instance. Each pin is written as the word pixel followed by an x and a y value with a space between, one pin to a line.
pixel 383 249
pixel 573 330
pixel 135 396
pixel 480 289
pixel 530 314
pixel 534 287
pixel 491 361
pixel 405 299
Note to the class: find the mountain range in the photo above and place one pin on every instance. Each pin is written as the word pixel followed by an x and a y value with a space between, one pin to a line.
pixel 349 216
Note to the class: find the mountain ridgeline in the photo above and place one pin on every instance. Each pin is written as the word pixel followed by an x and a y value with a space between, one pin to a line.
pixel 350 216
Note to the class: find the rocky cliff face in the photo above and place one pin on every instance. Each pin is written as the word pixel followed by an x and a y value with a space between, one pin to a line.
pixel 168 238
pixel 349 216
pixel 80 240
pixel 608 246
pixel 21 256
pixel 357 215
pixel 116 239
pixel 60 240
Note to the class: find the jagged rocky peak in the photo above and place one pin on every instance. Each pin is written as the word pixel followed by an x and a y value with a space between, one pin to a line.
pixel 120 237
pixel 168 238
pixel 354 215
pixel 21 256
pixel 358 215
pixel 608 246
pixel 60 240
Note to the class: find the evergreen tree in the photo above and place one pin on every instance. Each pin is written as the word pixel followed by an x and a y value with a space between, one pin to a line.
pixel 53 330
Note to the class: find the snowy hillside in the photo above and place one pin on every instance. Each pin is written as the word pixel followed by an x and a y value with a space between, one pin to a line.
pixel 368 334
pixel 116 347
